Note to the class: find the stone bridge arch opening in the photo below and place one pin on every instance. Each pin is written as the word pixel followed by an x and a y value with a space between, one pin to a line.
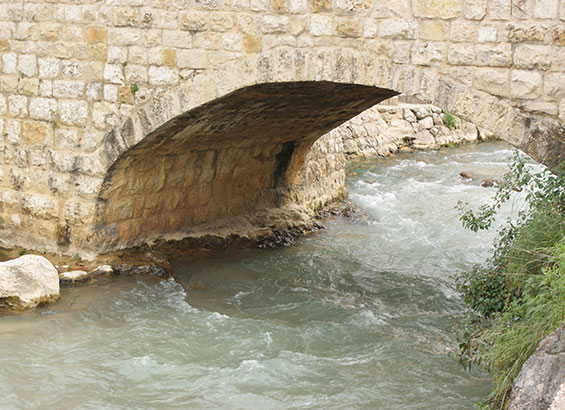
pixel 220 163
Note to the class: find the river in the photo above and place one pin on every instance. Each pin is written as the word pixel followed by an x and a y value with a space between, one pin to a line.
pixel 356 316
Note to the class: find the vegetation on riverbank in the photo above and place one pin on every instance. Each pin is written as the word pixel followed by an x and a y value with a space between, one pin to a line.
pixel 518 296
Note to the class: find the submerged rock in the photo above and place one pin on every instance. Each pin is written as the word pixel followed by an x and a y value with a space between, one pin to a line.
pixel 145 270
pixel 542 378
pixel 28 281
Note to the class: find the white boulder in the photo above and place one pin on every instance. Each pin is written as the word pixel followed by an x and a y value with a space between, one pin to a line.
pixel 28 281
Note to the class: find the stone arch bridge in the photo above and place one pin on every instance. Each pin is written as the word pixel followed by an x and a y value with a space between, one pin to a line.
pixel 126 121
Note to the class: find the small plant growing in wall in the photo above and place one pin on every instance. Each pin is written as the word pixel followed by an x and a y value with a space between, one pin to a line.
pixel 134 88
pixel 449 120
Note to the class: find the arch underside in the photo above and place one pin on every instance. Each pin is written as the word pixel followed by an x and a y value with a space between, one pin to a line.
pixel 235 155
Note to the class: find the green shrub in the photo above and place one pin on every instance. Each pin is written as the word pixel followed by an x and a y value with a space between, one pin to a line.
pixel 449 120
pixel 518 296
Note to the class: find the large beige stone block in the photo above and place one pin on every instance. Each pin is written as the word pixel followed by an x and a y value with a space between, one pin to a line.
pixel 525 84
pixel 444 9
pixel 493 80
pixel 73 112
pixel 494 55
pixel 427 53
pixel 546 9
pixel 43 108
pixel 532 56
pixel 474 9
pixel 398 28
pixel 499 9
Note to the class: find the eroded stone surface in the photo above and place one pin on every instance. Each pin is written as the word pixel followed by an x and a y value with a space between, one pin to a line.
pixel 539 384
pixel 28 281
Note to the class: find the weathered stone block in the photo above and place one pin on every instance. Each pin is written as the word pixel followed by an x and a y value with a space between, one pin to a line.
pixel 113 73
pixel 401 51
pixel 43 108
pixel 125 36
pixel 232 42
pixel 27 64
pixel 525 84
pixel 398 28
pixel 530 56
pixel 122 17
pixel 444 9
pixel 48 67
pixel 348 27
pixel 321 25
pixel 358 7
pixel 521 9
pixel 73 112
pixel 531 33
pixel 136 73
pixel 67 138
pixel 50 32
pixel 13 131
pixel 426 53
pixel 162 75
pixel 274 24
pixel 37 132
pixel 196 59
pixel 487 34
pixel 554 86
pixel 494 56
pixel 177 38
pixel 493 80
pixel 9 63
pixel 117 55
pixel 545 9
pixel 17 105
pixel 499 9
pixel 68 88
pixel 433 30
pixel 28 86
pixel 93 35
pixel 71 68
pixel 111 92
pixel 297 6
pixel 193 21
pixel 39 206
pixel 461 54
pixel 475 9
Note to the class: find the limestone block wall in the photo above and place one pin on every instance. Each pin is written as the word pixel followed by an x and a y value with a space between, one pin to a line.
pixel 84 83
pixel 386 129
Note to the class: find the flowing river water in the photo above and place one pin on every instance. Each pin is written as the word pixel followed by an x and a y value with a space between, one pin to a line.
pixel 357 316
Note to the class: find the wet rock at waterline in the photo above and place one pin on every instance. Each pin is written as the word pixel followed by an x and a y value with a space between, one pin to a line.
pixel 539 384
pixel 28 281
pixel 77 276
pixel 145 270
pixel 73 276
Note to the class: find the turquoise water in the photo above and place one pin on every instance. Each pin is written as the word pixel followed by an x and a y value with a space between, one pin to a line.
pixel 358 316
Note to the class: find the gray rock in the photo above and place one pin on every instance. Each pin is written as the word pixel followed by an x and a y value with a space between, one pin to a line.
pixel 426 123
pixel 28 281
pixel 409 115
pixel 539 384
pixel 421 112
